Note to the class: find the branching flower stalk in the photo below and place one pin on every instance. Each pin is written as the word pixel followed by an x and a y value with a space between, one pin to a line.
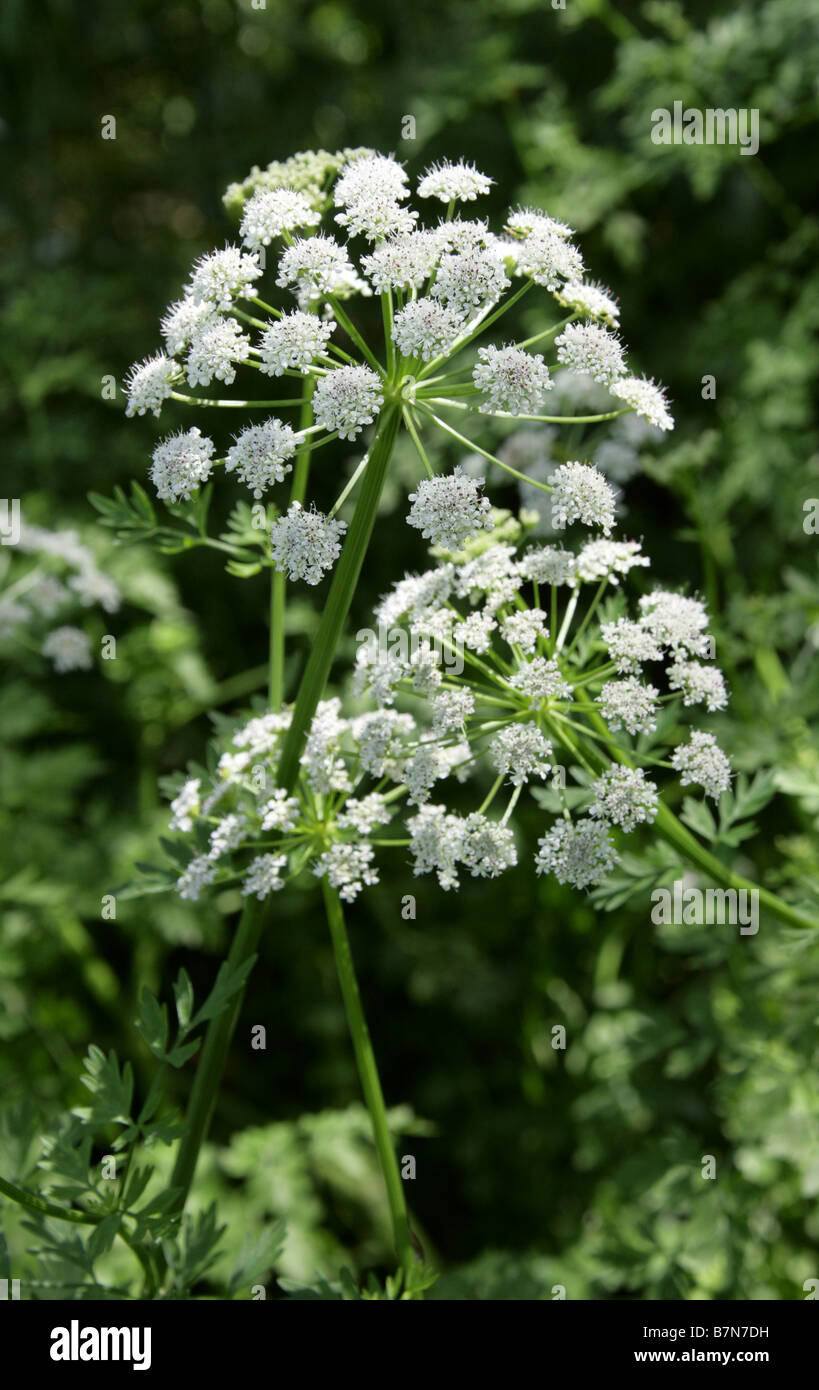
pixel 310 786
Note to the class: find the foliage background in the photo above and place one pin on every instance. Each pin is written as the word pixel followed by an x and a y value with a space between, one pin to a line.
pixel 535 1167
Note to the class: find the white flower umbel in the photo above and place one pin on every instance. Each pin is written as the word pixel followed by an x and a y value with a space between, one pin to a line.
pixel 475 632
pixel 149 383
pixel 426 328
pixel 348 867
pixel 543 251
pixel 645 399
pixel 629 644
pixel 525 628
pixel 450 709
pixel 305 544
pixel 264 876
pixel 294 342
pixel 223 276
pixel 608 560
pixel 625 797
pixel 347 399
pixel 199 874
pixel 185 805
pixel 700 685
pixel 677 621
pixel 273 211
pixel 215 350
pixel 227 835
pixel 281 812
pixel 181 463
pixel 587 349
pixel 448 182
pixel 403 262
pixel 581 493
pixel 511 380
pixel 261 455
pixel 448 509
pixel 549 565
pixel 471 278
pixel 593 301
pixel 541 679
pixel 521 751
pixel 629 704
pixel 578 852
pixel 316 267
pixel 183 321
pixel 703 762
pixel 69 648
pixel 95 589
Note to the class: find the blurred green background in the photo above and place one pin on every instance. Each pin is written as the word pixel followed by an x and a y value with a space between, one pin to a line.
pixel 535 1167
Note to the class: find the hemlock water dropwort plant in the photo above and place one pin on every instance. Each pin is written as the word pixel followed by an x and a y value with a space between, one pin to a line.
pixel 418 757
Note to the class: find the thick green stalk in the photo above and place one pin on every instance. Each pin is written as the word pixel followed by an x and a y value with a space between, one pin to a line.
pixel 245 942
pixel 340 597
pixel 368 1076
pixel 278 581
pixel 212 1061
pixel 672 830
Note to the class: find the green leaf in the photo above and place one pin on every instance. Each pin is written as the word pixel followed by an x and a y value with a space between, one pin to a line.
pixel 183 993
pixel 112 1090
pixel 152 1023
pixel 228 983
pixel 104 1235
pixel 698 817
pixel 257 1256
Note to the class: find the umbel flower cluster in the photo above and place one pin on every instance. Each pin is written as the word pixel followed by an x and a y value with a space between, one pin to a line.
pixel 47 590
pixel 495 671
pixel 321 235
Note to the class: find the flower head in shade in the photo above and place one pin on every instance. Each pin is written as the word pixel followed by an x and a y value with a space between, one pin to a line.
pixel 624 796
pixel 579 852
pixel 703 762
pixel 69 648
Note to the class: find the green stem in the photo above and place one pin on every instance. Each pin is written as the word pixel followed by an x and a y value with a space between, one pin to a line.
pixel 212 1061
pixel 340 596
pixel 245 942
pixel 37 1204
pixel 278 583
pixel 368 1076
